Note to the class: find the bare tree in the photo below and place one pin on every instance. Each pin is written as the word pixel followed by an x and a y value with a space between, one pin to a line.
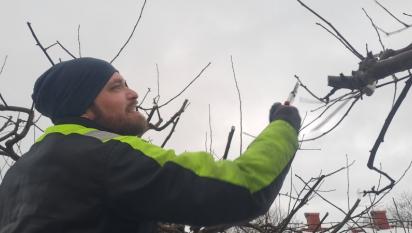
pixel 401 208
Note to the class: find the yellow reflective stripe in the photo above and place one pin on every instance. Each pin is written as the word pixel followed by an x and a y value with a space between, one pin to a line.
pixel 65 129
pixel 259 165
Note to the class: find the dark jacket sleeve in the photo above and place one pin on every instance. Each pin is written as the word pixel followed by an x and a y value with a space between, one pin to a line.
pixel 147 182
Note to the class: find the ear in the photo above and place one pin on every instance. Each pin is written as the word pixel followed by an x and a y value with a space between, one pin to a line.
pixel 89 114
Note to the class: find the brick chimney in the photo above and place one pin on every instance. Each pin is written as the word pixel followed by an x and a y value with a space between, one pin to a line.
pixel 379 219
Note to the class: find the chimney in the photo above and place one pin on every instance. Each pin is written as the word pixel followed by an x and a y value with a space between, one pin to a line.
pixel 313 221
pixel 379 219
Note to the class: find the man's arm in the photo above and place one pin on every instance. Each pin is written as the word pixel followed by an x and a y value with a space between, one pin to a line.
pixel 144 180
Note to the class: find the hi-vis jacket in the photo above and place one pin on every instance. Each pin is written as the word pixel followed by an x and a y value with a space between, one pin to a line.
pixel 79 178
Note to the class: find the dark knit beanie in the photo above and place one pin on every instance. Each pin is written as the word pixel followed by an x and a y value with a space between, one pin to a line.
pixel 67 89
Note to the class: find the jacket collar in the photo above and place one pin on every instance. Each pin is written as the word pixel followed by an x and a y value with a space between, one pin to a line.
pixel 81 121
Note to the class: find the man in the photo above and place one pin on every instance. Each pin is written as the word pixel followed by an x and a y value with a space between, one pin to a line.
pixel 91 172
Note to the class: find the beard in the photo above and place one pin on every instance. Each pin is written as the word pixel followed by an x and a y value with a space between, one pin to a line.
pixel 130 123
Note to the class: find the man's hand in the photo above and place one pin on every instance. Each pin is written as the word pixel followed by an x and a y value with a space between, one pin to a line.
pixel 285 112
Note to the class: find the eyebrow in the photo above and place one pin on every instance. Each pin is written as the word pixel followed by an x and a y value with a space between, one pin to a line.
pixel 117 81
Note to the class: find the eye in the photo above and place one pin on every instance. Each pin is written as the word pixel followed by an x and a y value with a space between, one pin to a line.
pixel 116 87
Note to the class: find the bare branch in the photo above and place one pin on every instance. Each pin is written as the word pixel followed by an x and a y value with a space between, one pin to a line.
pixel 50 46
pixel 338 38
pixel 131 34
pixel 229 141
pixel 172 119
pixel 307 89
pixel 78 41
pixel 240 105
pixel 348 183
pixel 376 29
pixel 333 127
pixel 184 89
pixel 397 213
pixel 330 116
pixel 394 81
pixel 352 49
pixel 4 64
pixel 347 217
pixel 382 133
pixel 286 220
pixel 157 98
pixel 393 16
pixel 375 71
pixel 171 131
pixel 144 98
pixel 320 223
pixel 211 132
pixel 66 50
pixel 14 135
pixel 39 44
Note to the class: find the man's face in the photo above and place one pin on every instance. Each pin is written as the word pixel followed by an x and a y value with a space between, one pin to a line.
pixel 115 108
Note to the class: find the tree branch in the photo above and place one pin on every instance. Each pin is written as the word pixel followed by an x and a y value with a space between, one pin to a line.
pixel 131 34
pixel 66 50
pixel 229 141
pixel 240 106
pixel 39 44
pixel 4 64
pixel 184 89
pixel 352 49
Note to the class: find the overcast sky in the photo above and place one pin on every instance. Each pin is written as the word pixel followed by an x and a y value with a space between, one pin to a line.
pixel 270 42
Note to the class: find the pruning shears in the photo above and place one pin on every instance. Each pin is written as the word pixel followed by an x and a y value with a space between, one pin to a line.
pixel 292 94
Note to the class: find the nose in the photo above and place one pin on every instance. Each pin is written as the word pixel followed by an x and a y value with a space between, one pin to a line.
pixel 131 94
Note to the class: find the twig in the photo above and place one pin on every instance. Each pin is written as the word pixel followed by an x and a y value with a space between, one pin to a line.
pixel 381 136
pixel 307 89
pixel 376 29
pixel 211 132
pixel 337 37
pixel 67 51
pixel 250 135
pixel 320 223
pixel 395 91
pixel 352 49
pixel 347 217
pixel 286 220
pixel 393 32
pixel 240 105
pixel 131 34
pixel 393 16
pixel 399 216
pixel 39 44
pixel 391 82
pixel 6 124
pixel 78 41
pixel 347 178
pixel 327 118
pixel 144 98
pixel 172 119
pixel 404 173
pixel 333 127
pixel 50 46
pixel 4 63
pixel 290 188
pixel 229 142
pixel 407 14
pixel 157 98
pixel 171 131
pixel 14 134
pixel 184 89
